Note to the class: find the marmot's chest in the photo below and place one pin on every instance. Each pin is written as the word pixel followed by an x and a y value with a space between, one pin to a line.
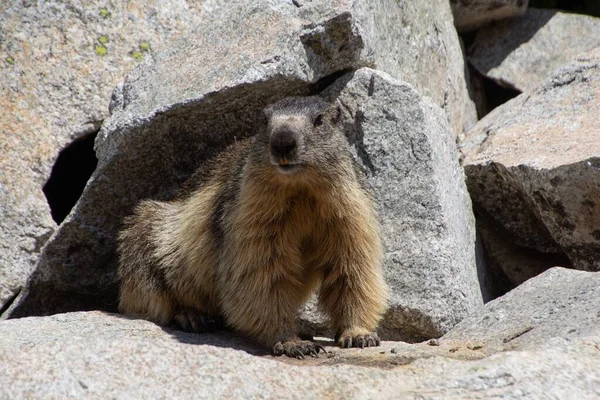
pixel 293 218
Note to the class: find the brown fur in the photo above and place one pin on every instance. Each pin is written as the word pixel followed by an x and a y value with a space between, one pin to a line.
pixel 251 242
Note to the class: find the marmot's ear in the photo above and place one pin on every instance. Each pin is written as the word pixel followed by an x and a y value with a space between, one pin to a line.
pixel 266 114
pixel 336 114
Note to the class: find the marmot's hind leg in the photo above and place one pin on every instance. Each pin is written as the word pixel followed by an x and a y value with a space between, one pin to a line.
pixel 158 306
pixel 192 320
pixel 150 303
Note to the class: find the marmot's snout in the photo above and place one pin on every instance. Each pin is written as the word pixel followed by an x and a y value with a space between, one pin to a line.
pixel 283 146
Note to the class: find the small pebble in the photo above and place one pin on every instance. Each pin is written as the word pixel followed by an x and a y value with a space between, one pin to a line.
pixel 474 346
pixel 434 342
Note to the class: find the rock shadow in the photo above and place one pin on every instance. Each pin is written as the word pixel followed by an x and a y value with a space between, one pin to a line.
pixel 223 338
pixel 512 42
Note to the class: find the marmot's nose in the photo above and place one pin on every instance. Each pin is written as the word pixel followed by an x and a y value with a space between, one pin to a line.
pixel 283 144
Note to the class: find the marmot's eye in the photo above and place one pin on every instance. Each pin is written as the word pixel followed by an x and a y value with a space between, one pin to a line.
pixel 319 120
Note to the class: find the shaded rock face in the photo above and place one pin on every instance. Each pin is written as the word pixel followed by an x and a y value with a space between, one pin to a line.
pixel 55 89
pixel 587 7
pixel 169 117
pixel 541 338
pixel 407 151
pixel 470 15
pixel 532 165
pixel 509 263
pixel 522 52
pixel 487 93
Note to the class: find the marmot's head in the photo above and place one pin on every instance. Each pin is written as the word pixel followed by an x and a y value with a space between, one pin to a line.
pixel 302 132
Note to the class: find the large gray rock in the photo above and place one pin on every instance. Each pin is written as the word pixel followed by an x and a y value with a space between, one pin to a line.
pixel 411 40
pixel 470 15
pixel 60 62
pixel 532 164
pixel 406 147
pixel 415 41
pixel 95 355
pixel 522 52
pixel 202 93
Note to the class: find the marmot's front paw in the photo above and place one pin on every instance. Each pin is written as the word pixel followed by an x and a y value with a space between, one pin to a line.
pixel 297 348
pixel 191 320
pixel 357 338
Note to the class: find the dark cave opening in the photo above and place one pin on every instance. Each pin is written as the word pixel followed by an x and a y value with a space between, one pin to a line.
pixel 488 94
pixel 496 94
pixel 70 173
pixel 588 7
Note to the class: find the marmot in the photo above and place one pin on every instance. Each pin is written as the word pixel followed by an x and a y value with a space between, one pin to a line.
pixel 265 224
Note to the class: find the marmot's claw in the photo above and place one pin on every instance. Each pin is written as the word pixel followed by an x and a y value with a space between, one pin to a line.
pixel 297 348
pixel 315 349
pixel 362 341
pixel 191 320
pixel 319 348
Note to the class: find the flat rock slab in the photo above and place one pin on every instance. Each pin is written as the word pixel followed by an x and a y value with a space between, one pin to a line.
pixel 97 355
pixel 557 307
pixel 55 87
pixel 522 52
pixel 533 164
pixel 470 15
